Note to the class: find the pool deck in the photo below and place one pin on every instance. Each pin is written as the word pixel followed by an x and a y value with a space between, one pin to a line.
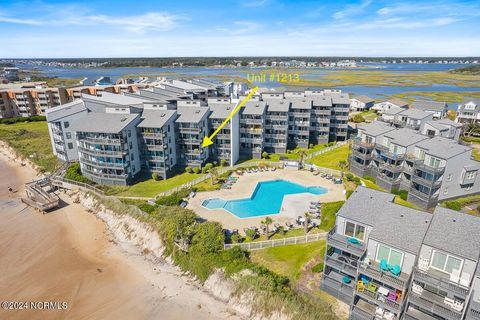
pixel 292 206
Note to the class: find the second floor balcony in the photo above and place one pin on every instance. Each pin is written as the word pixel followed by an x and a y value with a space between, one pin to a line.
pixel 440 280
pixel 345 243
pixel 372 269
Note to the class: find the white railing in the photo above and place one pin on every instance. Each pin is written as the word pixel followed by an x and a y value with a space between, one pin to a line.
pixel 257 245
pixel 327 149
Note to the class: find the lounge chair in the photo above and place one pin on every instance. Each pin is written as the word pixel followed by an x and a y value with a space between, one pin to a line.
pixel 396 270
pixel 384 265
pixel 346 280
pixel 316 173
pixel 353 241
pixel 372 287
pixel 274 168
pixel 192 194
pixel 183 204
pixel 323 175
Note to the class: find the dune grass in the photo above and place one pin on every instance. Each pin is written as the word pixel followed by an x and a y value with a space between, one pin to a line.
pixel 31 140
pixel 288 260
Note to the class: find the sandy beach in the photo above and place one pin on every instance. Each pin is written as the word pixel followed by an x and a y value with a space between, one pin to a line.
pixel 69 256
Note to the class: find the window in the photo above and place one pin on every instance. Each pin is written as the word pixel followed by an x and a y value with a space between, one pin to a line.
pixel 449 177
pixel 66 124
pixel 392 256
pixel 70 145
pixel 470 175
pixel 446 263
pixel 445 192
pixel 355 231
pixel 69 135
pixel 434 162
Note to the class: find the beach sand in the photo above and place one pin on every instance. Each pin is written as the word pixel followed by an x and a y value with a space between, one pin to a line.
pixel 68 256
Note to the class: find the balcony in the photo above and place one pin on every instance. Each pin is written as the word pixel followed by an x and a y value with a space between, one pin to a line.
pixel 277 118
pixel 373 271
pixel 333 284
pixel 189 130
pixel 251 140
pixel 105 175
pixel 415 314
pixel 380 300
pixel 440 280
pixel 100 164
pixel 425 182
pixel 97 152
pixel 357 143
pixel 421 195
pixel 426 168
pixel 391 167
pixel 474 310
pixel 321 112
pixel 100 140
pixel 251 121
pixel 341 242
pixel 341 263
pixel 435 304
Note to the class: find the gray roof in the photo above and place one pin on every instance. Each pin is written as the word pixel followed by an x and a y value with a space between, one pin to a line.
pixel 103 122
pixel 476 102
pixel 375 128
pixel 443 148
pixel 338 98
pixel 156 118
pixel 254 108
pixel 321 101
pixel 415 114
pixel 65 110
pixel 393 111
pixel 221 110
pixel 301 103
pixel 429 105
pixel 398 102
pixel 115 99
pixel 443 124
pixel 364 99
pixel 392 224
pixel 191 114
pixel 454 232
pixel 405 137
pixel 278 105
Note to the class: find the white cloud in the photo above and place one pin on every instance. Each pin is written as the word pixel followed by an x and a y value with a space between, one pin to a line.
pixel 243 27
pixel 352 9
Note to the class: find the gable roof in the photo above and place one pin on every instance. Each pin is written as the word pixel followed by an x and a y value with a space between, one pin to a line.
pixel 191 114
pixel 156 118
pixel 364 99
pixel 104 122
pixel 65 110
pixel 254 107
pixel 375 128
pixel 429 105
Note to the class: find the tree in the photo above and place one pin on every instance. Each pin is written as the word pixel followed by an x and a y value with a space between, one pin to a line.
pixel 188 169
pixel 251 234
pixel 214 175
pixel 196 170
pixel 264 154
pixel 223 163
pixel 342 164
pixel 358 118
pixel 267 222
pixel 155 176
pixel 306 222
pixel 303 154
pixel 208 166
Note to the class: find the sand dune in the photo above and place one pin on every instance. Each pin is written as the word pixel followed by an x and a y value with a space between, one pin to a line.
pixel 68 256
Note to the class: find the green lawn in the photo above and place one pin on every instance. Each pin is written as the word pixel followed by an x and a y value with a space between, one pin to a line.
pixel 397 200
pixel 329 214
pixel 369 115
pixel 288 260
pixel 292 155
pixel 31 140
pixel 330 159
pixel 151 188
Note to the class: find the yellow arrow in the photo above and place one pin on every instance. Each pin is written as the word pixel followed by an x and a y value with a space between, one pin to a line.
pixel 208 140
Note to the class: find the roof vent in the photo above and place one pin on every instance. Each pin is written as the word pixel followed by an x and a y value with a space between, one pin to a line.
pixel 197 111
pixel 454 220
pixel 402 215
pixel 281 102
pixel 162 115
pixel 123 119
pixel 228 108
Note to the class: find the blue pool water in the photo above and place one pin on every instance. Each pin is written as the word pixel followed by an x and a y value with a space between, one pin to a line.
pixel 266 199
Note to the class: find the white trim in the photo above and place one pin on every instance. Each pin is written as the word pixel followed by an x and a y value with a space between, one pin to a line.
pixel 354 231
pixel 389 254
pixel 462 261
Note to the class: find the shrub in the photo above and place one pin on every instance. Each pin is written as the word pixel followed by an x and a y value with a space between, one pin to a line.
pixel 223 163
pixel 357 181
pixel 75 173
pixel 251 234
pixel 196 170
pixel 236 238
pixel 311 146
pixel 403 194
pixel 188 170
pixel 454 205
pixel 370 178
pixel 155 176
pixel 358 118
pixel 265 155
pixel 348 193
pixel 317 268
pixel 204 170
pixel 173 199
pixel 23 119
pixel 207 167
pixel 349 176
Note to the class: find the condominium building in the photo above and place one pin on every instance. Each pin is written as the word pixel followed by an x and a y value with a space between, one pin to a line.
pixel 431 169
pixel 469 112
pixel 390 262
pixel 361 103
pixel 175 117
pixel 438 109
pixel 409 118
pixel 443 128
pixel 383 106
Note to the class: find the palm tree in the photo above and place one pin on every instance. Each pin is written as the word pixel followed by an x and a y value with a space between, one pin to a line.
pixel 305 223
pixel 303 154
pixel 214 175
pixel 267 222
pixel 342 164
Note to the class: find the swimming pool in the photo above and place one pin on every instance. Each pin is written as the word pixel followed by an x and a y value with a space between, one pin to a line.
pixel 266 199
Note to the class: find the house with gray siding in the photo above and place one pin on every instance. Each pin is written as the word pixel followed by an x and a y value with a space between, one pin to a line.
pixel 438 109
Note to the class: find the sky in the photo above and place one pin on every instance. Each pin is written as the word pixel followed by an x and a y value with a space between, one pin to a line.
pixel 72 29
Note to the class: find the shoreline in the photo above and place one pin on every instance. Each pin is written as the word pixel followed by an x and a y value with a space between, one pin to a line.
pixel 70 255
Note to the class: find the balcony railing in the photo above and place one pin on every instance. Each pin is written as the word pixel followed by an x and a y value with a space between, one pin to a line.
pixel 373 270
pixel 426 182
pixel 440 280
pixel 380 300
pixel 341 242
pixel 429 302
pixel 102 164
pixel 105 175
pixel 334 261
pixel 100 140
pixel 421 195
pixel 96 152
pixel 424 167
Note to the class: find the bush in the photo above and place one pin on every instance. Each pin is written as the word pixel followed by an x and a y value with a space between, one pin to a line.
pixel 207 167
pixel 349 176
pixel 196 170
pixel 204 170
pixel 223 163
pixel 75 173
pixel 173 199
pixel 188 170
pixel 370 178
pixel 236 238
pixel 454 205
pixel 403 194
pixel 251 234
pixel 348 193
pixel 357 118
pixel 265 155
pixel 23 119
pixel 311 145
pixel 155 176
pixel 357 181
pixel 317 268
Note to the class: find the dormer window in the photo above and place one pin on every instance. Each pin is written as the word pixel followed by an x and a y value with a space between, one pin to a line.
pixel 354 230
pixel 392 256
